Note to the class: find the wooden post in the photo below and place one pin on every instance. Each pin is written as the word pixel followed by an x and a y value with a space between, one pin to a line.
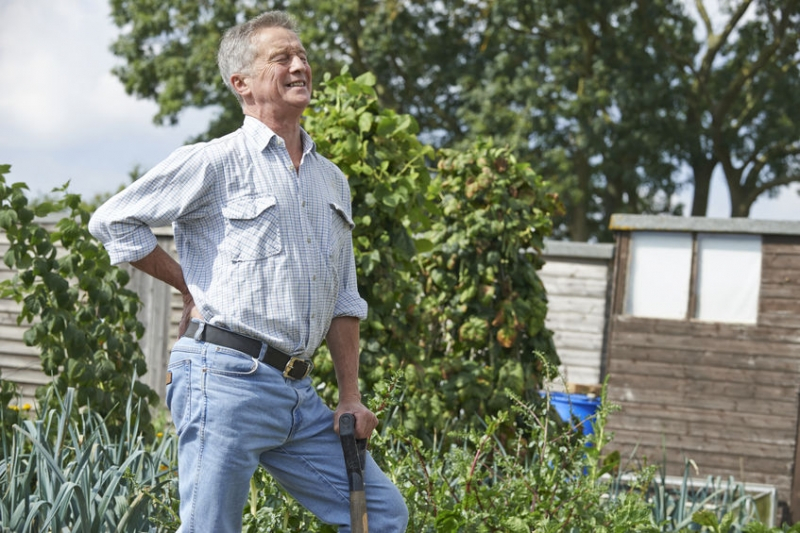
pixel 794 498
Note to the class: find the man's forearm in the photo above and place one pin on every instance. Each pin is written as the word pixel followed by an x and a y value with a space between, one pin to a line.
pixel 162 266
pixel 342 341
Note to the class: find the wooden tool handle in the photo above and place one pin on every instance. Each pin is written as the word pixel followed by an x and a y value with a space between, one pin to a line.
pixel 354 462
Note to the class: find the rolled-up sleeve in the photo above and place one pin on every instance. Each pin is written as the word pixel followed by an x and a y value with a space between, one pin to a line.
pixel 164 194
pixel 124 241
pixel 349 302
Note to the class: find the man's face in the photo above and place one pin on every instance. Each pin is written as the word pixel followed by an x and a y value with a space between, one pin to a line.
pixel 281 75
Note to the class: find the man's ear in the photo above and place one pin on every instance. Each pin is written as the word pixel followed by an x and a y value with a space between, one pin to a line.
pixel 240 84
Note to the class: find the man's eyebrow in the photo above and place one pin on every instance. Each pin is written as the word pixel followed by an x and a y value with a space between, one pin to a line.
pixel 288 50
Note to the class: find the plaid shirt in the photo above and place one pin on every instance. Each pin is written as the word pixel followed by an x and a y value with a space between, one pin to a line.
pixel 266 250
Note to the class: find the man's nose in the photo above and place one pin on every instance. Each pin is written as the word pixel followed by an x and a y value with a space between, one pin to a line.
pixel 298 63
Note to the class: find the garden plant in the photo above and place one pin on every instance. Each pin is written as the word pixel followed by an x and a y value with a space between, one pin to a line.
pixel 454 354
pixel 60 473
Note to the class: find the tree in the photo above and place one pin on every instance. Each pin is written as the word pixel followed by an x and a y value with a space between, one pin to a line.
pixel 608 100
pixel 483 304
pixel 385 165
pixel 169 47
pixel 463 69
pixel 581 92
pixel 741 92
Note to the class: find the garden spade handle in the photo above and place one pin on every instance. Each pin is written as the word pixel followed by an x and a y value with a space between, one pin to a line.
pixel 354 452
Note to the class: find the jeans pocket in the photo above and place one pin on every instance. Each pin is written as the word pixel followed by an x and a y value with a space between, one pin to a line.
pixel 179 393
pixel 228 362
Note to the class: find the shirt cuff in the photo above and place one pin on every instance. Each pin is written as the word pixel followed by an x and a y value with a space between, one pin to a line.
pixel 132 247
pixel 351 304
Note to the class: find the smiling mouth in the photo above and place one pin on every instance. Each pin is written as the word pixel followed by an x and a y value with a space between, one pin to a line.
pixel 297 84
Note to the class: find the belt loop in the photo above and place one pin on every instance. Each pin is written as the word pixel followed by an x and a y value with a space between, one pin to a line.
pixel 263 352
pixel 198 335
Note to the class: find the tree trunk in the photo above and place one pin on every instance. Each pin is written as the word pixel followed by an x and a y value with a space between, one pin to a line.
pixel 740 203
pixel 702 169
pixel 578 223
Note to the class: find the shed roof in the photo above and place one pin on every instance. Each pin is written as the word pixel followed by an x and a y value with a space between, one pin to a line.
pixel 622 222
pixel 581 250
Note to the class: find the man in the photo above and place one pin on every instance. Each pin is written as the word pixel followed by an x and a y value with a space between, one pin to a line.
pixel 263 228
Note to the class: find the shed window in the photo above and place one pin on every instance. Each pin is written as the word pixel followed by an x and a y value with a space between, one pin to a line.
pixel 728 277
pixel 710 277
pixel 658 279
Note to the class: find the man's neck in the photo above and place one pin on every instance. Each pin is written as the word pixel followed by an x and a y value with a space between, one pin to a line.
pixel 287 128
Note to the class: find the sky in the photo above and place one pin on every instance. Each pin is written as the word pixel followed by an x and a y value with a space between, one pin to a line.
pixel 65 117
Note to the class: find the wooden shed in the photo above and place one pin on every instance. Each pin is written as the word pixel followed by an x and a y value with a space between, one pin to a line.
pixel 577 278
pixel 703 349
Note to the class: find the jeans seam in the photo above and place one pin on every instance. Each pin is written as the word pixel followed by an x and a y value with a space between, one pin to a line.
pixel 202 441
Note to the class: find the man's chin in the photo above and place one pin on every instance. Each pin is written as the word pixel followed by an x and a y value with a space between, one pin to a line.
pixel 299 100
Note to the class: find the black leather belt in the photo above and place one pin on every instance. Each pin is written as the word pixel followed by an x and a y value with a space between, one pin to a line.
pixel 292 367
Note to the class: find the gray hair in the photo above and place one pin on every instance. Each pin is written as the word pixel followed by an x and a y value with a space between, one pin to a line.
pixel 237 52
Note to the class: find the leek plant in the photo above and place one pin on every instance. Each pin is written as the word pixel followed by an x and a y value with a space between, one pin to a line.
pixel 62 471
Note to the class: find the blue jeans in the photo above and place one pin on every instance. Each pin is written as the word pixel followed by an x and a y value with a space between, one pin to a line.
pixel 233 413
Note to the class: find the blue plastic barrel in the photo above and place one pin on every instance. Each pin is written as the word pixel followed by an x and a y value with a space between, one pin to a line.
pixel 580 406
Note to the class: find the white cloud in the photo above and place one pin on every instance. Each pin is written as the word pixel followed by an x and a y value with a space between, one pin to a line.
pixel 64 115
pixel 47 66
pixel 55 76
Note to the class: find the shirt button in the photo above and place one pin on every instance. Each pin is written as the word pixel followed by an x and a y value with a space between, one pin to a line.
pixel 308 240
pixel 313 278
pixel 304 203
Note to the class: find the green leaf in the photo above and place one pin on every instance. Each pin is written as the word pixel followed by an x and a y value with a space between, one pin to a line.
pixel 367 79
pixel 8 218
pixel 706 518
pixel 365 122
pixel 423 245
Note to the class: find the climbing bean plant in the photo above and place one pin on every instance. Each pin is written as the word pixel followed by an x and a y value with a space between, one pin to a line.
pixel 447 249
pixel 82 318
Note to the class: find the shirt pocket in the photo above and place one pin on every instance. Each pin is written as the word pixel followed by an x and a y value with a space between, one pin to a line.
pixel 341 231
pixel 252 228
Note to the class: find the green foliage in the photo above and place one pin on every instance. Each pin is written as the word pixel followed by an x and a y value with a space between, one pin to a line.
pixel 448 265
pixel 577 89
pixel 758 527
pixel 66 473
pixel 740 90
pixel 81 317
pixel 483 305
pixel 485 479
pixel 716 504
pixel 610 100
pixel 170 52
pixel 540 477
pixel 9 413
pixel 385 165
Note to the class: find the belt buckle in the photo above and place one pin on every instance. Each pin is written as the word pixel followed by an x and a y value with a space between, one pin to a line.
pixel 290 366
